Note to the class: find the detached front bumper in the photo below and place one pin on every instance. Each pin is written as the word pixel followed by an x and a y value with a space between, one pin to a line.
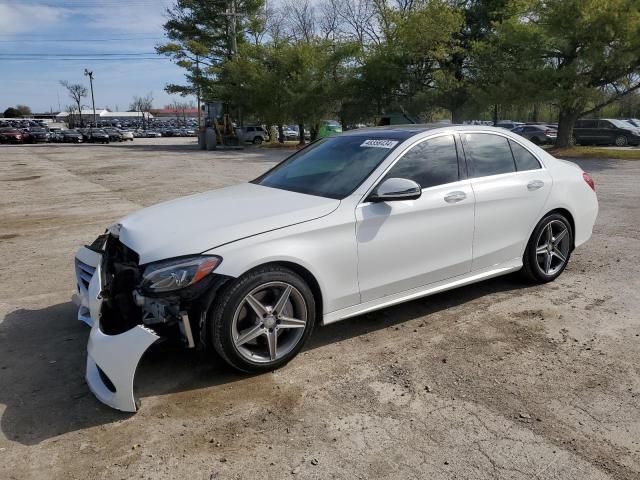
pixel 111 359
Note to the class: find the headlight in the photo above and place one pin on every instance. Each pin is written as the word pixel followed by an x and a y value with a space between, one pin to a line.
pixel 170 275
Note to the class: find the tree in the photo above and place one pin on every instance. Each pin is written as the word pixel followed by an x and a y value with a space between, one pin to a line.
pixel 582 55
pixel 142 105
pixel 201 40
pixel 24 110
pixel 12 112
pixel 77 92
pixel 71 115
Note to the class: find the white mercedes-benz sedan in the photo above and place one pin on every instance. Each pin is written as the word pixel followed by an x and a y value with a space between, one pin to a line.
pixel 347 225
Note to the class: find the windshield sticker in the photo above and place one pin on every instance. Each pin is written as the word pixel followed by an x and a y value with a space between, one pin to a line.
pixel 379 143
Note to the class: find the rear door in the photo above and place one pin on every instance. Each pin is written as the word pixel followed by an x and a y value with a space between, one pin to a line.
pixel 586 131
pixel 607 132
pixel 411 243
pixel 510 187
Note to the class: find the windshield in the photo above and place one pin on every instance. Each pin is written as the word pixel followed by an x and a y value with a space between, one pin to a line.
pixel 333 167
pixel 622 124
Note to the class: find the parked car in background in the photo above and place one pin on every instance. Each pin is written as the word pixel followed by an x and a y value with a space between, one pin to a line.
pixel 38 135
pixel 55 136
pixel 98 135
pixel 11 135
pixel 114 134
pixel 633 121
pixel 255 134
pixel 126 135
pixel 605 131
pixel 508 124
pixel 329 128
pixel 71 136
pixel 291 133
pixel 538 134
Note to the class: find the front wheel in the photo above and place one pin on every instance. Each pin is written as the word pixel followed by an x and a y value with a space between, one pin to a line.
pixel 262 320
pixel 257 140
pixel 548 250
pixel 621 141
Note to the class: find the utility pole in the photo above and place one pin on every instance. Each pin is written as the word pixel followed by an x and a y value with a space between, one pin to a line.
pixel 231 12
pixel 90 75
pixel 198 88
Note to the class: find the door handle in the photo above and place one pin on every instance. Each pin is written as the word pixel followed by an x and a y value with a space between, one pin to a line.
pixel 535 185
pixel 455 197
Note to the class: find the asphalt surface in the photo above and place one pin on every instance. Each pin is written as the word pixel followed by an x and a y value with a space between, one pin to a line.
pixel 499 380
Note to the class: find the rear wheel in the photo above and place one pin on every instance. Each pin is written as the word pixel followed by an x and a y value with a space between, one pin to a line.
pixel 263 319
pixel 548 250
pixel 257 140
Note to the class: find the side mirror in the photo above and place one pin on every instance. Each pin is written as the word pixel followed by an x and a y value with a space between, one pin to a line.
pixel 393 189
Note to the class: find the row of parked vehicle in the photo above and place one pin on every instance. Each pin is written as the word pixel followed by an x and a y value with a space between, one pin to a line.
pixel 590 131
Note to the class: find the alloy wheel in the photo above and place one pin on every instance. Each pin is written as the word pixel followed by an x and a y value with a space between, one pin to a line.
pixel 621 141
pixel 269 322
pixel 552 247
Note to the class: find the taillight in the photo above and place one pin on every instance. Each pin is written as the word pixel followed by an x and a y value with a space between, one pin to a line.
pixel 589 180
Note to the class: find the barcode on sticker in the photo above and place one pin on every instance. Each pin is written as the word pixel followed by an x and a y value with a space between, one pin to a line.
pixel 379 143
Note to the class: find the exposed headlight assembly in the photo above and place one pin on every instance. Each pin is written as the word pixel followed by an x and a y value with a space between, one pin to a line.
pixel 174 274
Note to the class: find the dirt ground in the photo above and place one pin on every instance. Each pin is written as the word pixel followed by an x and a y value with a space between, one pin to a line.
pixel 500 380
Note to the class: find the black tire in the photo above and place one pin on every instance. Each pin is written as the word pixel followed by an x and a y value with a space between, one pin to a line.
pixel 535 140
pixel 221 316
pixel 257 140
pixel 621 141
pixel 531 268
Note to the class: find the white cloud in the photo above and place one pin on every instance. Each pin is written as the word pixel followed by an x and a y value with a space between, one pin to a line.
pixel 134 18
pixel 28 18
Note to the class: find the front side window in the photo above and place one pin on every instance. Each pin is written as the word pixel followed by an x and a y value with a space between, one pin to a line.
pixel 490 154
pixel 332 167
pixel 430 163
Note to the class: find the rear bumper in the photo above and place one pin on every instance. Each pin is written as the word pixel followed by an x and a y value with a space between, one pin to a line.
pixel 112 360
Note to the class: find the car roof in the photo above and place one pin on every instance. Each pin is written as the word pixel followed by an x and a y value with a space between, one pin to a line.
pixel 404 132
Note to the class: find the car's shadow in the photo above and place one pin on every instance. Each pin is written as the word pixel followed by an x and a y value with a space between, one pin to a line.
pixel 42 363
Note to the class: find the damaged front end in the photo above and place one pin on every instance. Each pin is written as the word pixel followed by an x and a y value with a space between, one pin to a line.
pixel 130 307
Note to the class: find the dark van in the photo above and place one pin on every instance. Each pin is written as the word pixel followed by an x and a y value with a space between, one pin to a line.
pixel 606 131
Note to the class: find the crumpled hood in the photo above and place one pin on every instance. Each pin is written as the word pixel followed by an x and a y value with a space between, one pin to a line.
pixel 194 224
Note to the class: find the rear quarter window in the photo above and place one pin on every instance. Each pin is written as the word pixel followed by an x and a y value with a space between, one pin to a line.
pixel 524 158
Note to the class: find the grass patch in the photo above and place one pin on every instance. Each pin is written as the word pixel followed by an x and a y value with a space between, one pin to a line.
pixel 287 144
pixel 595 152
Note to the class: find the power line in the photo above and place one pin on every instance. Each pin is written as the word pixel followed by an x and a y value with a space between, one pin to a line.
pixel 61 40
pixel 89 54
pixel 40 59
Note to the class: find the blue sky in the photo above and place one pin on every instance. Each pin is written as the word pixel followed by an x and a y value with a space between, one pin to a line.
pixel 82 28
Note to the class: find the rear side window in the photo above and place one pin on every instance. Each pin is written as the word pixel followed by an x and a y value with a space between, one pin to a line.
pixel 524 159
pixel 429 163
pixel 490 154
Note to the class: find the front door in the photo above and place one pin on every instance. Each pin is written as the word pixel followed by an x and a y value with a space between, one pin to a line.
pixel 410 243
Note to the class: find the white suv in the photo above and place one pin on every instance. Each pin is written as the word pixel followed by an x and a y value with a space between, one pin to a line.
pixel 255 135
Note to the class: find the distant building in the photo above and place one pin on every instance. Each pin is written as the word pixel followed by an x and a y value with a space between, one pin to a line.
pixel 174 113
pixel 103 114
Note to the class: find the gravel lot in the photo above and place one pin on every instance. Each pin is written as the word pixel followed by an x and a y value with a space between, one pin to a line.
pixel 498 380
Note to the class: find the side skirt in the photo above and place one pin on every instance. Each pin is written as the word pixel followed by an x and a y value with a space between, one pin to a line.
pixel 424 291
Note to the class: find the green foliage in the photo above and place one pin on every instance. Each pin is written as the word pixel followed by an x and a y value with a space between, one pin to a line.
pixel 569 52
pixel 24 109
pixel 12 112
pixel 418 57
